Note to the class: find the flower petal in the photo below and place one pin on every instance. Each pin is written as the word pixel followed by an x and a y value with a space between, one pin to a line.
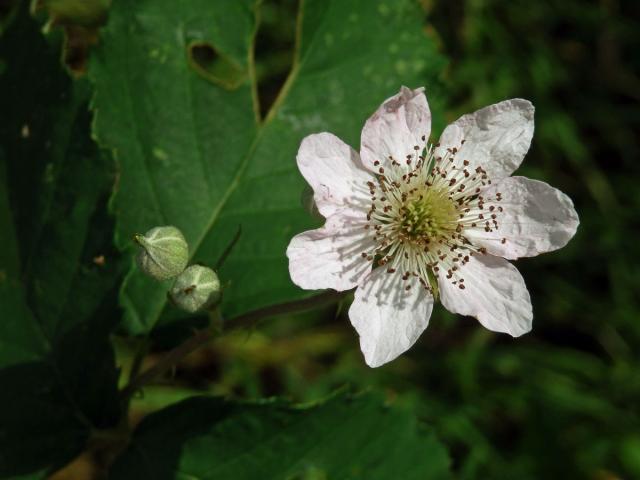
pixel 331 256
pixel 398 125
pixel 494 293
pixel 389 318
pixel 496 137
pixel 536 218
pixel 334 171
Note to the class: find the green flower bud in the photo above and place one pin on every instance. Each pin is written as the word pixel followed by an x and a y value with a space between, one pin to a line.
pixel 195 289
pixel 164 253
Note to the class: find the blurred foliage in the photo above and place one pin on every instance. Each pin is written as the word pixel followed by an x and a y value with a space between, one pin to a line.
pixel 563 402
pixel 560 402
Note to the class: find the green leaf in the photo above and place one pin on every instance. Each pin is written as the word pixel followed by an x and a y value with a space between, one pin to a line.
pixel 191 149
pixel 347 437
pixel 57 367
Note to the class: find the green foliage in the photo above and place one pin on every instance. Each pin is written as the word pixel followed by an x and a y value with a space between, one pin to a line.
pixel 193 151
pixel 191 115
pixel 174 102
pixel 345 437
pixel 57 368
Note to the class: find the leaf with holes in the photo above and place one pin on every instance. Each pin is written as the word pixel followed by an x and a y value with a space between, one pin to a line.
pixel 345 437
pixel 176 102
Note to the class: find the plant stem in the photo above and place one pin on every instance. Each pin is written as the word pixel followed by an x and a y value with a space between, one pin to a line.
pixel 253 317
pixel 204 336
pixel 200 338
pixel 141 352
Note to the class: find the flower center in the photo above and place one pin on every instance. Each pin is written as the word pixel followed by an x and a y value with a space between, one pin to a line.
pixel 419 213
pixel 428 215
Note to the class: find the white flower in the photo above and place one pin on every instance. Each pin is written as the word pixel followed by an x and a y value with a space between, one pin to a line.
pixel 407 221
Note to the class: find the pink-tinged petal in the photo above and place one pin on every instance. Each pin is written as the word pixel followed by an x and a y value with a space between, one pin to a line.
pixel 398 125
pixel 331 256
pixel 496 137
pixel 388 317
pixel 494 293
pixel 334 171
pixel 535 218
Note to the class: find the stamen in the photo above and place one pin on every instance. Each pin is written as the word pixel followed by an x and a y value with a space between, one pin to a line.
pixel 421 219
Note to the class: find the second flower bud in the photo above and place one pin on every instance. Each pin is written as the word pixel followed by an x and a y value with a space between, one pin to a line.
pixel 195 289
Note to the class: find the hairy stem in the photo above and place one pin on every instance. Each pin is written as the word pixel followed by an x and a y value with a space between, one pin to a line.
pixel 204 336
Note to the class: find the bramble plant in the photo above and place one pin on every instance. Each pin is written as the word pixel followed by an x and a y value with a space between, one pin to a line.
pixel 186 251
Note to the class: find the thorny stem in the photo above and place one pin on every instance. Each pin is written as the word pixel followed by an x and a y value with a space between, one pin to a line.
pixel 204 336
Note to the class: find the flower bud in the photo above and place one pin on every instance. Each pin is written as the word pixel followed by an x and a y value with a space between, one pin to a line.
pixel 164 253
pixel 196 288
